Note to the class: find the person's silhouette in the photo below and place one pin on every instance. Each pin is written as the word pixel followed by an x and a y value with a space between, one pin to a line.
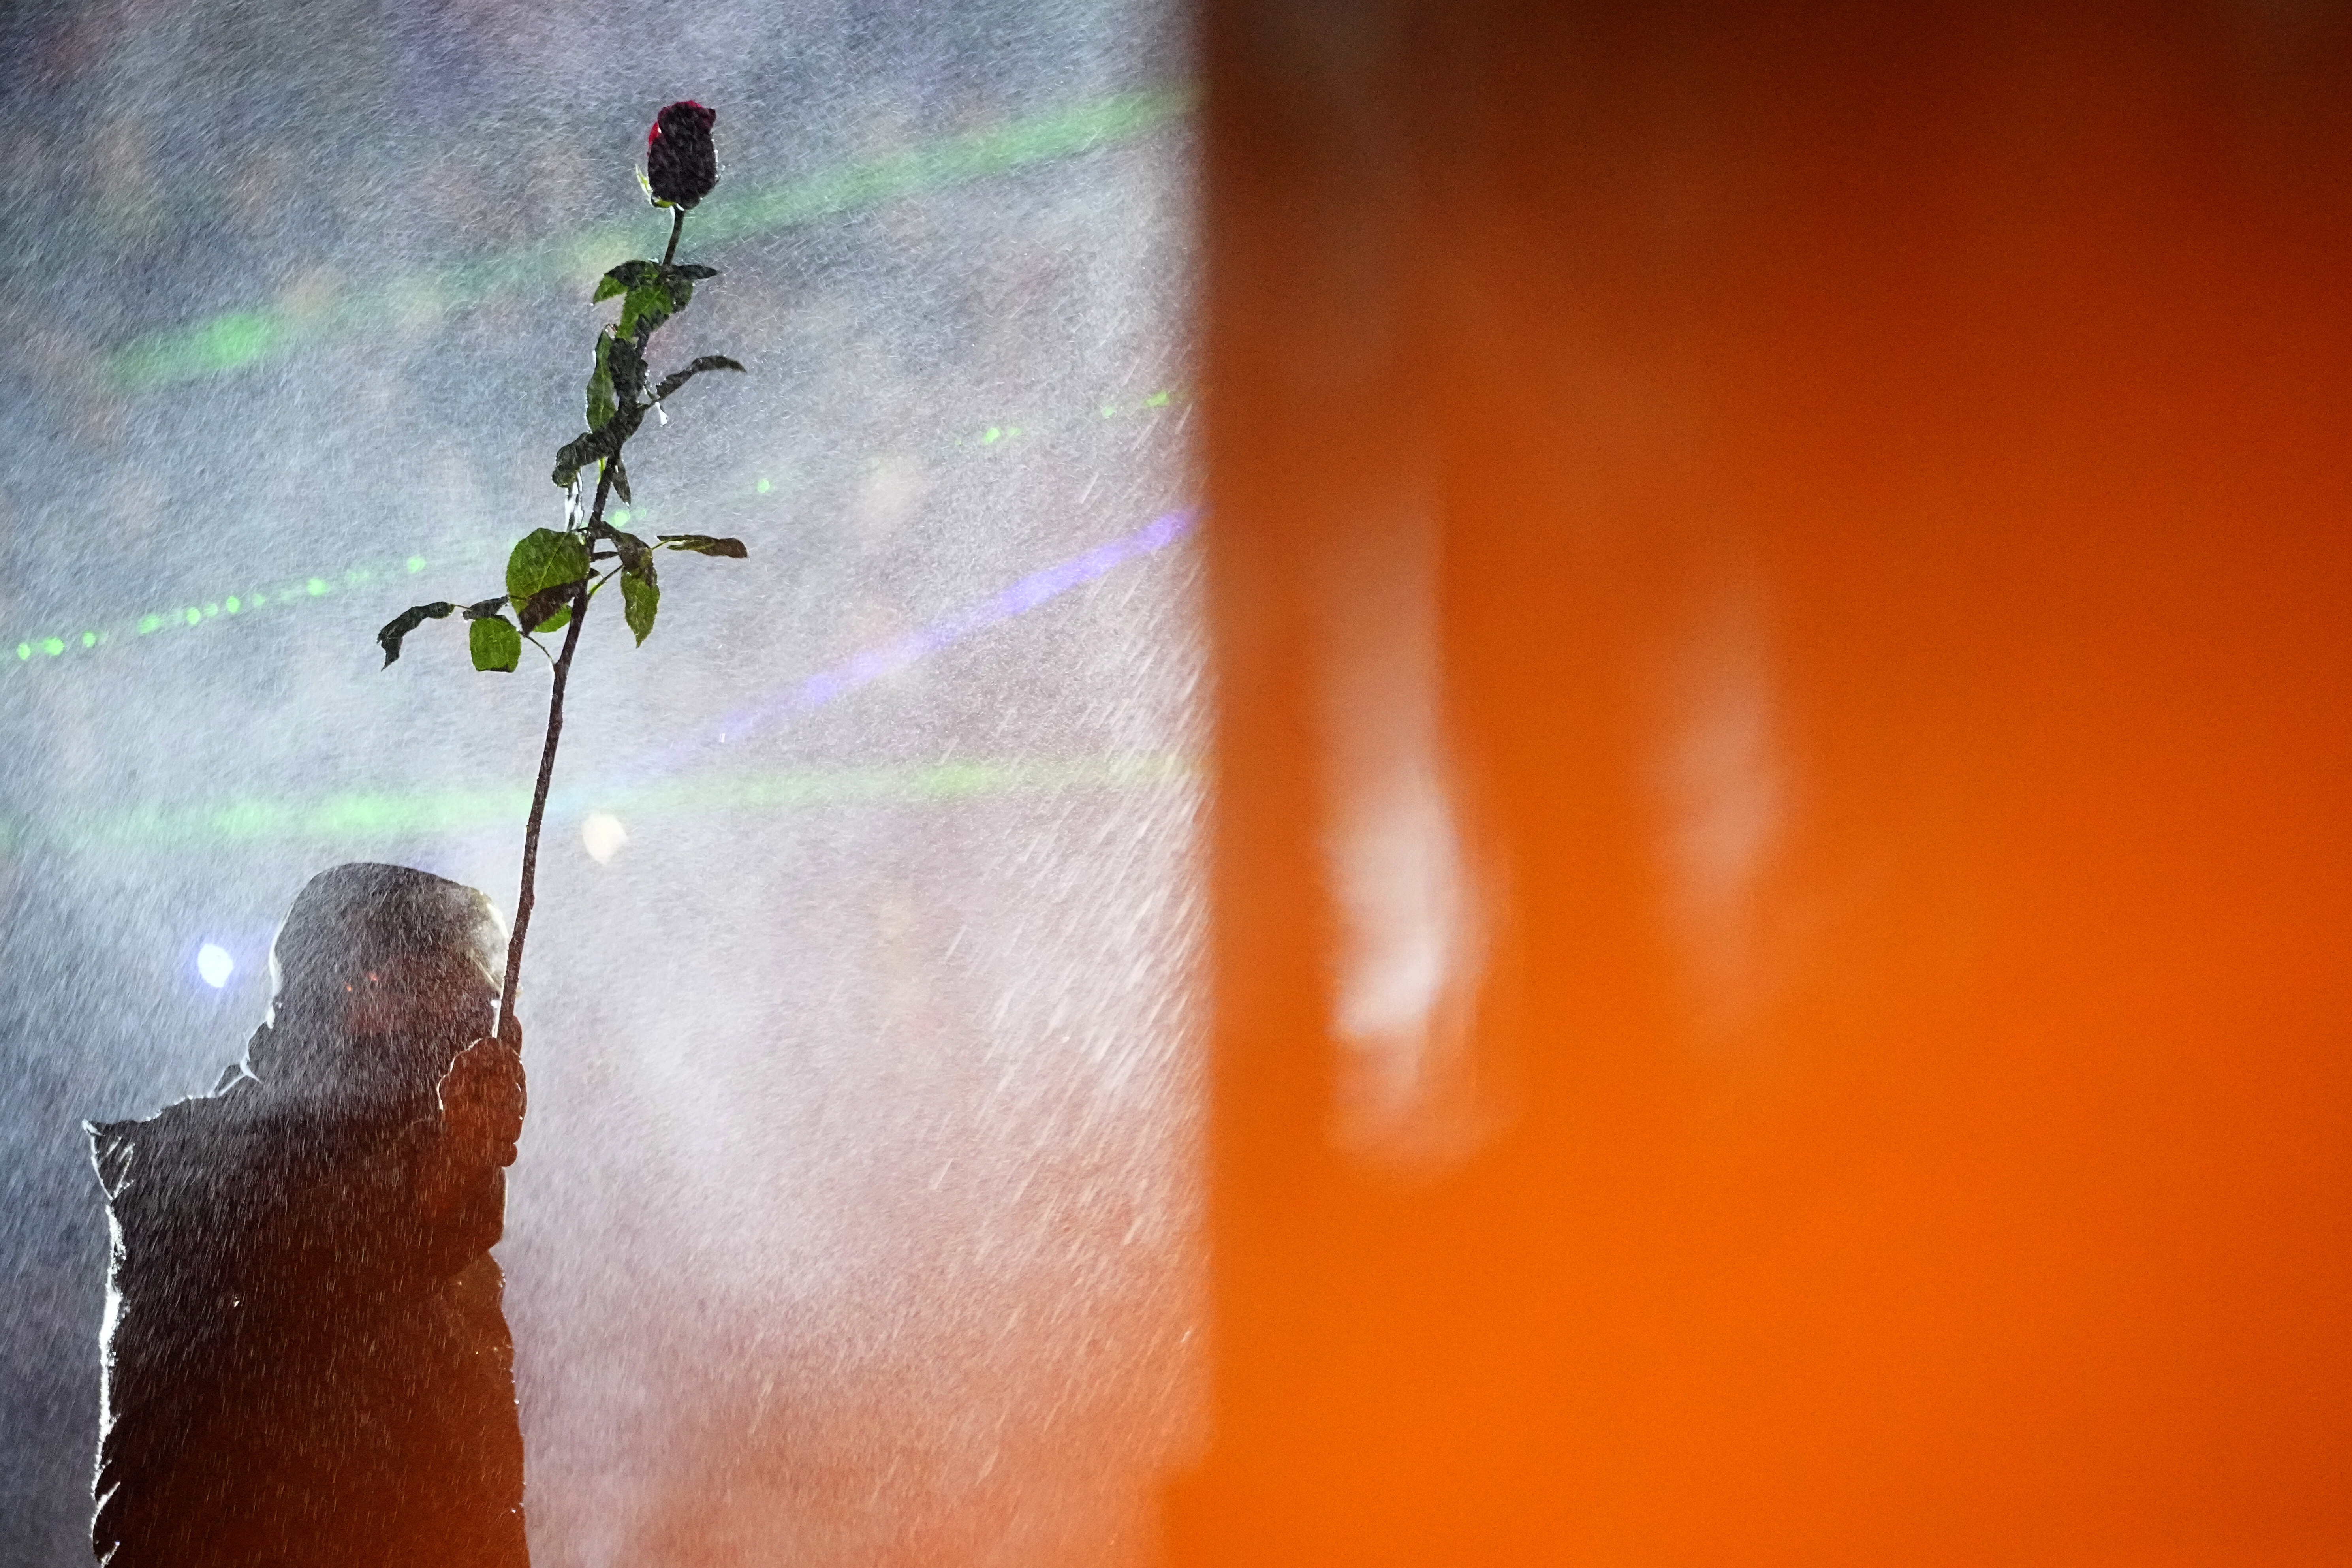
pixel 305 1358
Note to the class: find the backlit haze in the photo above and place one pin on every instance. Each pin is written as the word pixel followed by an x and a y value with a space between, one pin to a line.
pixel 854 1220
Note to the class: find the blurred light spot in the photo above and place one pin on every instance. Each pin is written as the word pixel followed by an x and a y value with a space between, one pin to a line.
pixel 24 650
pixel 232 604
pixel 316 587
pixel 212 609
pixel 604 836
pixel 763 487
pixel 1726 790
pixel 191 615
pixel 54 647
pixel 620 517
pixel 214 964
pixel 993 435
pixel 1157 400
pixel 1411 937
pixel 415 564
pixel 89 640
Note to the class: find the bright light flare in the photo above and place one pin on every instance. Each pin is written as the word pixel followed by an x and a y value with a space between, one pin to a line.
pixel 215 965
pixel 604 836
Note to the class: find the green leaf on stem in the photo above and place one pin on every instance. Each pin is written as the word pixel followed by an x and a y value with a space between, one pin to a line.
pixel 602 401
pixel 407 621
pixel 495 642
pixel 583 451
pixel 546 567
pixel 678 378
pixel 704 544
pixel 550 609
pixel 627 276
pixel 636 555
pixel 627 368
pixel 641 600
pixel 545 558
pixel 643 309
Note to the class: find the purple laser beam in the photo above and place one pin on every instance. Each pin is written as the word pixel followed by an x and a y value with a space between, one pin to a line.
pixel 872 664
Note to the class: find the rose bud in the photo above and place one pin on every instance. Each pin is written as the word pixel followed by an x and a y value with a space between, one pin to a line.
pixel 680 167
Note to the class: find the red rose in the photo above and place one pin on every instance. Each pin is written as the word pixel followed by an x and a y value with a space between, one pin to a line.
pixel 680 167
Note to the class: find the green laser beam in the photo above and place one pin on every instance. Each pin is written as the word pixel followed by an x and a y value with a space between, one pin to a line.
pixel 375 818
pixel 232 608
pixel 235 339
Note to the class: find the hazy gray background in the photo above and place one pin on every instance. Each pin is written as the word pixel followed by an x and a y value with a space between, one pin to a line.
pixel 854 1220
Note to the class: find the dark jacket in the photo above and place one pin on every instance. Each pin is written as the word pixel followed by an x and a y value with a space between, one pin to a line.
pixel 303 1364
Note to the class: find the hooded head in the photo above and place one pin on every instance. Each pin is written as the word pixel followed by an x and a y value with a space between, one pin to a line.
pixel 380 975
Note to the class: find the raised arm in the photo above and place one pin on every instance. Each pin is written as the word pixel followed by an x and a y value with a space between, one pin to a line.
pixel 461 1180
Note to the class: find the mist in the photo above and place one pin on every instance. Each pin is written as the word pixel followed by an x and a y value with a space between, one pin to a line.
pixel 855 1219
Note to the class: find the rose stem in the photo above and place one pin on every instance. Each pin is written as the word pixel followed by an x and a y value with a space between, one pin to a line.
pixel 509 1027
pixel 509 1030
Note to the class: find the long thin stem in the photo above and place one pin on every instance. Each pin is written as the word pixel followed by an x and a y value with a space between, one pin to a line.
pixel 509 1027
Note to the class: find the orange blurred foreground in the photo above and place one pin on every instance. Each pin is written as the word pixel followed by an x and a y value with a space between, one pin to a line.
pixel 1784 615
